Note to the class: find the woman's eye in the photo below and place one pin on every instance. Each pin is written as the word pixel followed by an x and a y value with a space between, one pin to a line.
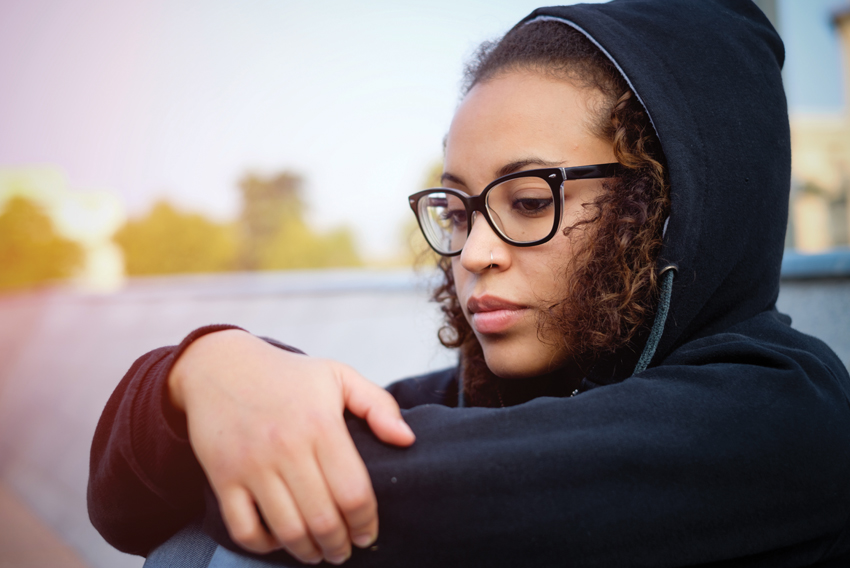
pixel 455 217
pixel 532 205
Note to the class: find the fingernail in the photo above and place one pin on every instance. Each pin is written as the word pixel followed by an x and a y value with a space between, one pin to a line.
pixel 364 540
pixel 314 561
pixel 339 559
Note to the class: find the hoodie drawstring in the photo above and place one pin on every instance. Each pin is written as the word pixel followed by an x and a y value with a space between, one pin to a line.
pixel 660 320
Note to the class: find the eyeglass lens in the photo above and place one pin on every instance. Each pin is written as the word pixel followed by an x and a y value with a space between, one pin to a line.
pixel 522 209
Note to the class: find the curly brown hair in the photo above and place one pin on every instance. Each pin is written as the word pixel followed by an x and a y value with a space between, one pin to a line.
pixel 610 281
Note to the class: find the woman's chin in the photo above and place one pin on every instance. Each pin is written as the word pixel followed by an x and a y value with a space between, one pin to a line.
pixel 520 352
pixel 520 363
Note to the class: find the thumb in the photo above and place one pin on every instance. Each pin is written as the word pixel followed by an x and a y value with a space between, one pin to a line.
pixel 378 407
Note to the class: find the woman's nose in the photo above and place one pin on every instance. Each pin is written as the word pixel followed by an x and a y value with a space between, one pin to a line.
pixel 483 248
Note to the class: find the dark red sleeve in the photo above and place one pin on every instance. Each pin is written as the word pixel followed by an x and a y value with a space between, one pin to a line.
pixel 144 481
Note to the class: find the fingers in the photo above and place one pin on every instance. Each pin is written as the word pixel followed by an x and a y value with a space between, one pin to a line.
pixel 319 510
pixel 285 522
pixel 350 486
pixel 377 407
pixel 243 523
pixel 288 528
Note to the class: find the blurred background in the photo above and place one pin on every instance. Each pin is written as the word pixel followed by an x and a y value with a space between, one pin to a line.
pixel 169 164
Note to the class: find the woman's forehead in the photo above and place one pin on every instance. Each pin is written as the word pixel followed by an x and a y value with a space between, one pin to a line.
pixel 523 116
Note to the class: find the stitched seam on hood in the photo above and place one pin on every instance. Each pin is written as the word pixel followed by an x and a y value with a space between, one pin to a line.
pixel 608 55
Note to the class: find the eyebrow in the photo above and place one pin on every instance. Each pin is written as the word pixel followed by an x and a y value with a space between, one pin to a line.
pixel 506 169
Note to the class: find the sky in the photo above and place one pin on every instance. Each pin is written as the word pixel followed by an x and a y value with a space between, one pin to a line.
pixel 179 99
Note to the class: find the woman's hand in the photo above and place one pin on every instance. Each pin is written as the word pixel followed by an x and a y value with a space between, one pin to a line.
pixel 267 427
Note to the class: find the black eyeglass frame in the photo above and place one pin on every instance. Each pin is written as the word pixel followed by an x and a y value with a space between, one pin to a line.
pixel 554 177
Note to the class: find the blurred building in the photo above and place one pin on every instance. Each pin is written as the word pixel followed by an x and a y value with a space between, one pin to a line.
pixel 820 170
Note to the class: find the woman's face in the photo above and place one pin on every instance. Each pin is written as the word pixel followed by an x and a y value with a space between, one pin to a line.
pixel 520 121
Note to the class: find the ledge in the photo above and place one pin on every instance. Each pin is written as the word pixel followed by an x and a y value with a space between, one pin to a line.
pixel 827 265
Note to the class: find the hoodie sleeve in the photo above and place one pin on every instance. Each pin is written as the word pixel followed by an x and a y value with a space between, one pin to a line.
pixel 734 450
pixel 144 481
pixel 737 447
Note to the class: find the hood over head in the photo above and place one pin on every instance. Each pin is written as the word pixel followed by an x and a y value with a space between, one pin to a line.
pixel 708 74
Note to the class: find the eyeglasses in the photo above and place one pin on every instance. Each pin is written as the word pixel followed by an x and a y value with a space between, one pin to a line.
pixel 523 208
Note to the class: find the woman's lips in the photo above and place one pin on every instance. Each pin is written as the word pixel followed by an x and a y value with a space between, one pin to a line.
pixel 493 315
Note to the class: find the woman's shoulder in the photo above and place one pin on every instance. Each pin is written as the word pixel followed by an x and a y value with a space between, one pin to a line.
pixel 765 340
pixel 437 387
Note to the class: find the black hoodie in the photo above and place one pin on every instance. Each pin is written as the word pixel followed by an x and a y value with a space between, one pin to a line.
pixel 732 448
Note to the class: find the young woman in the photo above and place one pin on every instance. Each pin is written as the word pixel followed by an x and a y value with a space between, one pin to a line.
pixel 616 188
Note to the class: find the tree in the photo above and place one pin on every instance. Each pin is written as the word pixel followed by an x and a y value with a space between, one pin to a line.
pixel 31 252
pixel 270 234
pixel 274 234
pixel 168 241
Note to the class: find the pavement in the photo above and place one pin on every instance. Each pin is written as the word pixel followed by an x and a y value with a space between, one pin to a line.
pixel 26 542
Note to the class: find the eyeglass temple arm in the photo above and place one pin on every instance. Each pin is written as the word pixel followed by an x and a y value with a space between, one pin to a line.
pixel 592 172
